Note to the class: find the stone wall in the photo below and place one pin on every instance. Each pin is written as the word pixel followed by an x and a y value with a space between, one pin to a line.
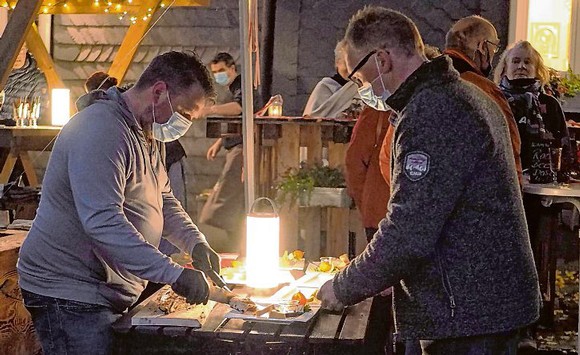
pixel 308 30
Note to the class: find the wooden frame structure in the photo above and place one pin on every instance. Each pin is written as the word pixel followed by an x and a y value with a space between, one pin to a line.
pixel 21 28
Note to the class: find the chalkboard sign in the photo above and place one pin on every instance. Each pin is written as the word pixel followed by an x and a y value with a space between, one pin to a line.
pixel 540 170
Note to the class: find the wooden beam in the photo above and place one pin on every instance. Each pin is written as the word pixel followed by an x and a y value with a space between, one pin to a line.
pixel 132 39
pixel 89 7
pixel 11 41
pixel 43 59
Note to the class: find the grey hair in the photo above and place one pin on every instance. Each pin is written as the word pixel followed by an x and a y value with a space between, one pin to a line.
pixel 466 32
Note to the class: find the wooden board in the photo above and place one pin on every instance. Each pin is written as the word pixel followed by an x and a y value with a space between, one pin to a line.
pixel 151 314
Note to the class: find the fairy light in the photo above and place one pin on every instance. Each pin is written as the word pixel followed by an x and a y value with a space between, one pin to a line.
pixel 118 6
pixel 130 1
pixel 65 5
pixel 107 10
pixel 45 10
pixel 162 5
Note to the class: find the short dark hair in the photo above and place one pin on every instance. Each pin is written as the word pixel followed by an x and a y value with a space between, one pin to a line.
pixel 100 80
pixel 223 57
pixel 180 70
pixel 375 27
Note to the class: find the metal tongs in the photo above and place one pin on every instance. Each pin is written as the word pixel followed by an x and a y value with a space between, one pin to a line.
pixel 217 279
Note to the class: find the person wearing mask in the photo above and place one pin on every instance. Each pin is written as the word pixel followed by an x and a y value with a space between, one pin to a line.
pixel 106 203
pixel 454 242
pixel 522 76
pixel 224 207
pixel 472 43
pixel 333 95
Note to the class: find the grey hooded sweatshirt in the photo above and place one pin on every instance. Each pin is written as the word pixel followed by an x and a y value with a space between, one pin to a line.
pixel 105 204
pixel 454 242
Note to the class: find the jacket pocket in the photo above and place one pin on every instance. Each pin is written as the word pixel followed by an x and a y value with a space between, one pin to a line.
pixel 446 284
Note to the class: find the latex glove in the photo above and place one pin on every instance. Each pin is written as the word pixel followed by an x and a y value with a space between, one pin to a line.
pixel 214 149
pixel 192 285
pixel 204 258
pixel 328 298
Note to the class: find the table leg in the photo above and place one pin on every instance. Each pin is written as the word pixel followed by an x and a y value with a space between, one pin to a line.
pixel 8 167
pixel 29 169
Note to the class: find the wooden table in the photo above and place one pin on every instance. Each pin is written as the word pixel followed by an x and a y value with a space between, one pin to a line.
pixel 327 333
pixel 19 141
pixel 555 194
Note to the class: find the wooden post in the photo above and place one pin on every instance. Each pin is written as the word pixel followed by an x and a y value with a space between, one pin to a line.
pixel 13 37
pixel 43 59
pixel 132 40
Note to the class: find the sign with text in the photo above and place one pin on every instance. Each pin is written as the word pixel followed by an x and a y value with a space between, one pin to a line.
pixel 540 168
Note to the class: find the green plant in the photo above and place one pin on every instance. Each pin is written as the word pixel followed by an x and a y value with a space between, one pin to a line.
pixel 571 83
pixel 297 182
pixel 563 84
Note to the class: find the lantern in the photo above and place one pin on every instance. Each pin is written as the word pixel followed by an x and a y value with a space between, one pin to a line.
pixel 262 247
pixel 60 105
pixel 275 108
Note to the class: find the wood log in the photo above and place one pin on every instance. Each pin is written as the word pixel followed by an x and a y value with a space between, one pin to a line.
pixel 17 334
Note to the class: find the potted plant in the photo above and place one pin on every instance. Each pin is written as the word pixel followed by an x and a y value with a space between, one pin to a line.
pixel 313 186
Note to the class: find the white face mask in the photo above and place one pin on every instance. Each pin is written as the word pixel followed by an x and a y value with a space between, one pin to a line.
pixel 175 127
pixel 221 78
pixel 370 98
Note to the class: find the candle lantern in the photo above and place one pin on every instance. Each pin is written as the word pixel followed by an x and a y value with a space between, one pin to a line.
pixel 275 108
pixel 60 105
pixel 262 247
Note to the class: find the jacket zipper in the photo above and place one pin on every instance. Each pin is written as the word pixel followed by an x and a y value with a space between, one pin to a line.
pixel 447 286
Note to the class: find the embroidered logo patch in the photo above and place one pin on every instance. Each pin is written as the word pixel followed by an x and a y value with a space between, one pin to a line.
pixel 416 165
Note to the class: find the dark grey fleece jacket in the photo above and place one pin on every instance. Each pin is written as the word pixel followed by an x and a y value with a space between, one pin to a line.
pixel 454 243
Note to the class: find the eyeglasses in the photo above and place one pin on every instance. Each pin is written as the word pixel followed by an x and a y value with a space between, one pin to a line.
pixel 360 64
pixel 495 45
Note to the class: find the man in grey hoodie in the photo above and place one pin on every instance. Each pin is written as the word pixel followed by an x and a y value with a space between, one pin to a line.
pixel 106 203
pixel 454 242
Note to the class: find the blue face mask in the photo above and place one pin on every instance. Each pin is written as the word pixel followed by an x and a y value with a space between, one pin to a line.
pixel 175 127
pixel 369 97
pixel 221 78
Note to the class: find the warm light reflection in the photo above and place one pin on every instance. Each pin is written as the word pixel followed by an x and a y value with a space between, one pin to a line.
pixel 549 31
pixel 262 250
pixel 60 107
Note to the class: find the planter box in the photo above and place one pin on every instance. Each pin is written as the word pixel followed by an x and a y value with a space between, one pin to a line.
pixel 327 197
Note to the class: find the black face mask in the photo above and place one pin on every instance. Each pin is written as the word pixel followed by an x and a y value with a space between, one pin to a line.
pixel 487 70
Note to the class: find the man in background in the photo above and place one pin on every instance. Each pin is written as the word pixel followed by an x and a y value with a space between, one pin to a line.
pixel 224 208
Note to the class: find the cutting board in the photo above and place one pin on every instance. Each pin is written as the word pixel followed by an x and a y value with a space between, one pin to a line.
pixel 193 316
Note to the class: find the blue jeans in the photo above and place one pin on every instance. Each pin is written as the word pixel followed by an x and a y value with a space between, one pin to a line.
pixel 70 327
pixel 505 343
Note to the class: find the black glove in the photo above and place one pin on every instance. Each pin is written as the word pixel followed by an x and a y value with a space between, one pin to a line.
pixel 204 258
pixel 192 285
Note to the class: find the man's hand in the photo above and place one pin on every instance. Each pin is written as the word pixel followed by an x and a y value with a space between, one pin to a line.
pixel 214 149
pixel 328 298
pixel 204 258
pixel 192 285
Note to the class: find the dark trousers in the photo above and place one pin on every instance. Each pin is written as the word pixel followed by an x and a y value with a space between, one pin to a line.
pixel 505 343
pixel 70 327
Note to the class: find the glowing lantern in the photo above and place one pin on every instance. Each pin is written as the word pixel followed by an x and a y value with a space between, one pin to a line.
pixel 262 247
pixel 60 105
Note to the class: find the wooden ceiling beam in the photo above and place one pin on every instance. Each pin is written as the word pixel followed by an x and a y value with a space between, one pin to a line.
pixel 132 39
pixel 13 37
pixel 43 59
pixel 54 7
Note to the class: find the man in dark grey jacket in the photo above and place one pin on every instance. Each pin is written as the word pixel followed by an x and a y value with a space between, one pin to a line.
pixel 454 242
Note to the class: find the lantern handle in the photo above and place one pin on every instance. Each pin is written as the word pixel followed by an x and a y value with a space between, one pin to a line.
pixel 272 204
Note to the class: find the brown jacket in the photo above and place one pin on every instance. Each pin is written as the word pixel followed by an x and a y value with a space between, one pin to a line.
pixel 469 72
pixel 363 177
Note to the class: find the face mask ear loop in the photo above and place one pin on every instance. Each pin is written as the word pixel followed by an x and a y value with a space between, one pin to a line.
pixel 380 74
pixel 170 105
pixel 102 82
